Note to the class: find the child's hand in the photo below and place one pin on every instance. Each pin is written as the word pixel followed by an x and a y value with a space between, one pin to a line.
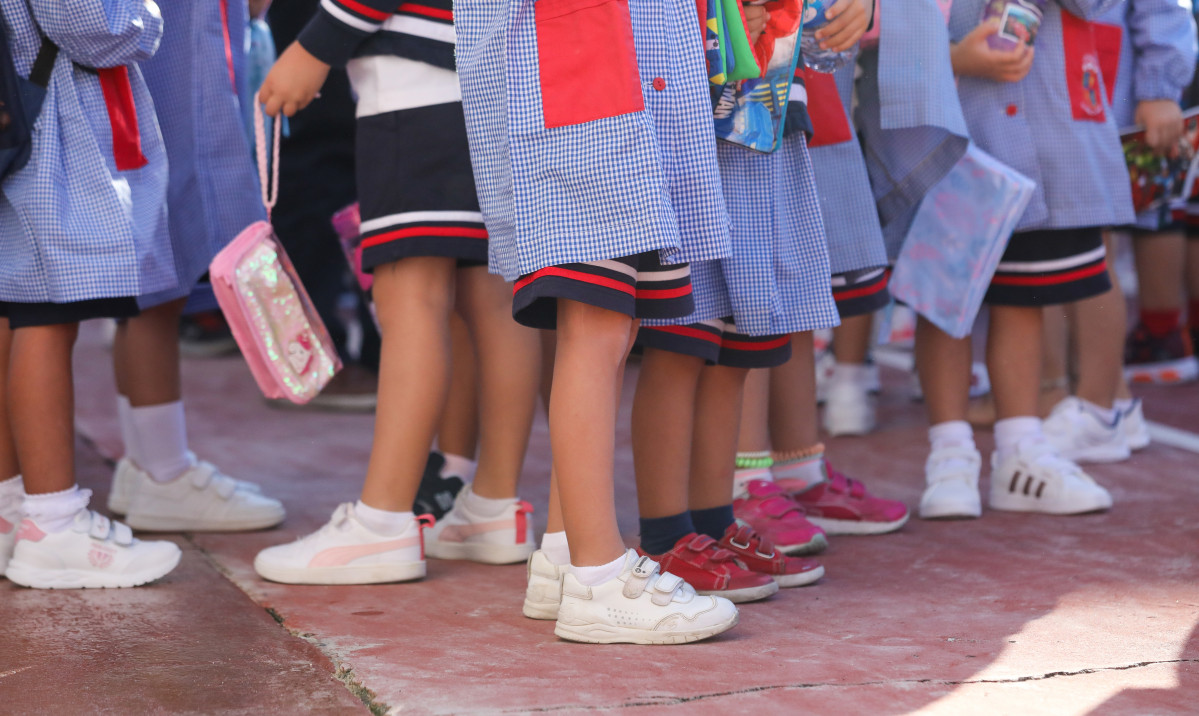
pixel 1162 120
pixel 848 20
pixel 755 21
pixel 258 8
pixel 292 83
pixel 973 57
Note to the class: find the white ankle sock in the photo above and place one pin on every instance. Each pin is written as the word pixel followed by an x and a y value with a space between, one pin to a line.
pixel 741 478
pixel 160 438
pixel 459 466
pixel 485 506
pixel 383 522
pixel 1009 432
pixel 55 511
pixel 555 548
pixel 951 434
pixel 597 575
pixel 853 373
pixel 809 468
pixel 12 493
pixel 128 433
pixel 12 487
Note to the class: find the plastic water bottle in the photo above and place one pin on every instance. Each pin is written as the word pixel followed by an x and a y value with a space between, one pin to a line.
pixel 814 57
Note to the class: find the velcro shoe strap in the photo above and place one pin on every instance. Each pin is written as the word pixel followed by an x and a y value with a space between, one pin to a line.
pixel 100 527
pixel 205 473
pixel 639 578
pixel 121 534
pixel 665 587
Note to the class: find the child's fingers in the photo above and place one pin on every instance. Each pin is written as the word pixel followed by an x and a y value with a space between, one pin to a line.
pixel 845 30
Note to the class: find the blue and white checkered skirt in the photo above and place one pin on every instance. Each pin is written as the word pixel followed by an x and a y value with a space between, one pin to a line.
pixel 599 189
pixel 213 192
pixel 777 278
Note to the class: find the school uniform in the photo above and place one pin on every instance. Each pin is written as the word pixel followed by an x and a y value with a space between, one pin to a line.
pixel 1056 127
pixel 1147 51
pixel 775 282
pixel 911 122
pixel 569 174
pixel 857 254
pixel 82 223
pixel 416 189
pixel 198 82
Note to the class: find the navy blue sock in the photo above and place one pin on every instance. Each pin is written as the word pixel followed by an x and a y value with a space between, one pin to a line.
pixel 713 521
pixel 659 534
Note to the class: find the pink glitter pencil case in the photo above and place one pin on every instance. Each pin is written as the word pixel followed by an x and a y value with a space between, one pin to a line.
pixel 272 318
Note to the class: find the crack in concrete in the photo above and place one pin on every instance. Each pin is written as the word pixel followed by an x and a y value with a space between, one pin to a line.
pixel 679 700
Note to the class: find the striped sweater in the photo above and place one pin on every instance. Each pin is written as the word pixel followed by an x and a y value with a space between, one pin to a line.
pixel 344 29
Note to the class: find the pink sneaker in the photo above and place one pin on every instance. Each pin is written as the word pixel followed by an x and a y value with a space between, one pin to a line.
pixel 779 518
pixel 843 507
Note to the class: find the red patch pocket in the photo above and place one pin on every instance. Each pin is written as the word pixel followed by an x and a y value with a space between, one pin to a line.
pixel 829 123
pixel 1108 39
pixel 587 61
pixel 1084 76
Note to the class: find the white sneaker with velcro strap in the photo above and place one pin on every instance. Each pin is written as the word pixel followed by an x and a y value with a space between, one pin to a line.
pixel 640 606
pixel 951 492
pixel 543 592
pixel 1035 478
pixel 200 500
pixel 125 477
pixel 92 553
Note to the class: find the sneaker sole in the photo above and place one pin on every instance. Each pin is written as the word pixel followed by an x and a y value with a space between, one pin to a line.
pixel 1183 370
pixel 164 523
pixel 951 512
pixel 855 527
pixel 816 545
pixel 542 611
pixel 1020 504
pixel 1138 441
pixel 844 426
pixel 787 581
pixel 1101 454
pixel 479 552
pixel 372 574
pixel 37 578
pixel 607 634
pixel 741 596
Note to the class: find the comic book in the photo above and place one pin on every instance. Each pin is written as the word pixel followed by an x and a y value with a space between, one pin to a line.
pixel 1159 181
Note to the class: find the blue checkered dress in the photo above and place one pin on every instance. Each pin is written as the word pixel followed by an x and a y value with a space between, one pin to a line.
pixel 606 188
pixel 72 227
pixel 777 279
pixel 1157 61
pixel 1078 166
pixel 855 239
pixel 213 192
pixel 908 112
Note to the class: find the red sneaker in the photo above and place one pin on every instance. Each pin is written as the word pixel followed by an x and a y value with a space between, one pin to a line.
pixel 778 518
pixel 712 570
pixel 755 552
pixel 843 507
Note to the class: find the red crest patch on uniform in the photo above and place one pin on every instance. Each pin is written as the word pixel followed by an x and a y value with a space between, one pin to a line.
pixel 1084 78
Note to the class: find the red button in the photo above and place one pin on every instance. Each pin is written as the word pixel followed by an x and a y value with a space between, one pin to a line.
pixel 659 84
pixel 1012 110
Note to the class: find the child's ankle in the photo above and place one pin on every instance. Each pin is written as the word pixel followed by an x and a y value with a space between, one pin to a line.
pixel 1011 432
pixel 951 434
pixel 805 465
pixel 556 548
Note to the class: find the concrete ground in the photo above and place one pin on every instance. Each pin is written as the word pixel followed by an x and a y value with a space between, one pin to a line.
pixel 1007 614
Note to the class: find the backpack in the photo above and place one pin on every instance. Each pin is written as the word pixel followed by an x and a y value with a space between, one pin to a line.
pixel 21 101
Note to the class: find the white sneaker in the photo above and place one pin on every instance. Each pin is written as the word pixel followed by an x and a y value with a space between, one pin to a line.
pixel 345 551
pixel 826 366
pixel 849 408
pixel 1035 478
pixel 544 592
pixel 201 499
pixel 952 478
pixel 10 517
pixel 1134 427
pixel 506 539
pixel 1080 435
pixel 93 553
pixel 125 476
pixel 640 606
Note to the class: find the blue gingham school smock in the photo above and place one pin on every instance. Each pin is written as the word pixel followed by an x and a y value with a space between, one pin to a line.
pixel 1078 165
pixel 610 187
pixel 777 279
pixel 213 192
pixel 908 112
pixel 855 238
pixel 73 227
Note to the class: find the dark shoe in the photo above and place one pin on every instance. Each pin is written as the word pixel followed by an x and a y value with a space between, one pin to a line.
pixel 1161 360
pixel 205 335
pixel 436 494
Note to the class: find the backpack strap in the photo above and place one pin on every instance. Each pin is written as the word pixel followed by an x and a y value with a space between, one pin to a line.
pixel 43 64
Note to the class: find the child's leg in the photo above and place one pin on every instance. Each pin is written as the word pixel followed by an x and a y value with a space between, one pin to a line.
pixel 793 398
pixel 591 349
pixel 754 436
pixel 146 356
pixel 714 446
pixel 414 298
pixel 664 415
pixel 9 467
pixel 41 406
pixel 1055 357
pixel 851 339
pixel 1014 360
pixel 458 433
pixel 508 369
pixel 943 363
pixel 1098 330
pixel 849 409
